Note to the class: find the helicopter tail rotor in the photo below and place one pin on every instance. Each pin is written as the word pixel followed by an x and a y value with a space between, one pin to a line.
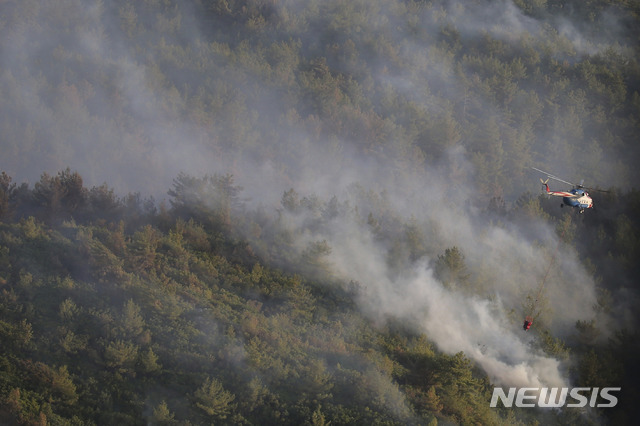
pixel 544 184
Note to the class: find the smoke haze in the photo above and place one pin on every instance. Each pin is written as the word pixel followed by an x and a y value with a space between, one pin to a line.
pixel 84 86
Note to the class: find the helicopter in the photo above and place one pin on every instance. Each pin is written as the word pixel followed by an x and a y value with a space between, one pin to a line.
pixel 576 197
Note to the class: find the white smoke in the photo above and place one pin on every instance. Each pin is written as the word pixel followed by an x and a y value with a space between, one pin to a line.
pixel 456 322
pixel 512 261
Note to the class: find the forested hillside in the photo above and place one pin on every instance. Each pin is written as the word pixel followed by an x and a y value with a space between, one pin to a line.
pixel 314 212
pixel 143 91
pixel 116 312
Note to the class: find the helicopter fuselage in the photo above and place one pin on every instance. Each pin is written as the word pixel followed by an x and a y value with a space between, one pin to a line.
pixel 579 199
pixel 576 197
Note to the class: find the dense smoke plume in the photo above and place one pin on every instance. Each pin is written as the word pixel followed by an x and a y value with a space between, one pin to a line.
pixel 83 97
pixel 512 265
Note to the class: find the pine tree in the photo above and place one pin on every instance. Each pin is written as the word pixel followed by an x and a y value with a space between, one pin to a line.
pixel 213 399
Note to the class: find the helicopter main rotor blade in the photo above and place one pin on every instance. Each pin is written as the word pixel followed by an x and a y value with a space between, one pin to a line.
pixel 597 190
pixel 550 176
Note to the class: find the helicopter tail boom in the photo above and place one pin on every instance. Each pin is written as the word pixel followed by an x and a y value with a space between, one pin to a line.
pixel 563 194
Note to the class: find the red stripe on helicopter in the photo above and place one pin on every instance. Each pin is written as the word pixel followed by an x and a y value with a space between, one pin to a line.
pixel 562 194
